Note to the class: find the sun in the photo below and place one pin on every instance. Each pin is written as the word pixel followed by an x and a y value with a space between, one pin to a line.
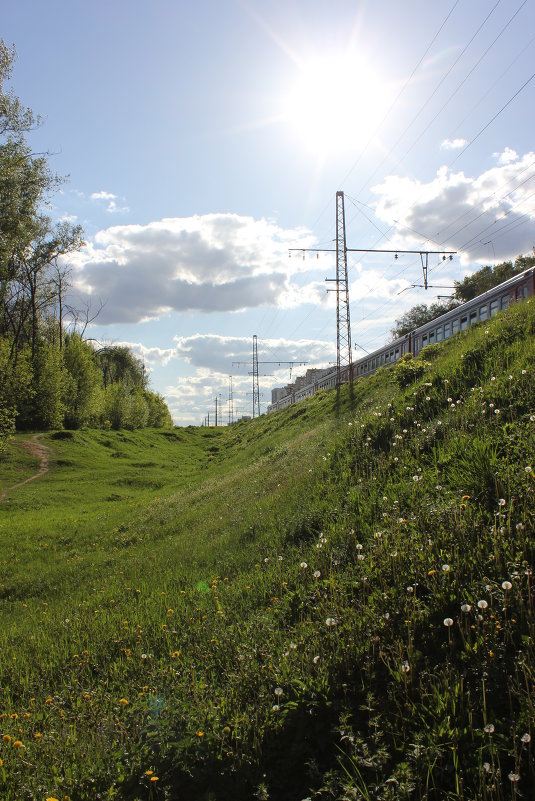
pixel 336 103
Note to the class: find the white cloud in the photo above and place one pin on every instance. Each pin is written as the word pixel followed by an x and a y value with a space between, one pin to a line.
pixel 453 144
pixel 465 213
pixel 210 263
pixel 112 207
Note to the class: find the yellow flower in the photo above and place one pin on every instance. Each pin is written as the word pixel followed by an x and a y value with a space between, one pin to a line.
pixel 37 735
pixel 154 778
pixel 51 798
pixel 6 738
pixel 17 744
pixel 149 772
pixel 1 763
pixel 200 734
pixel 170 611
pixel 175 654
pixel 123 701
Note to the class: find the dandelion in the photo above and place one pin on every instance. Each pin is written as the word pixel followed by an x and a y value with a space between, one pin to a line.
pixel 200 734
pixel 506 585
pixel 316 574
pixel 482 604
pixel 17 744
pixel 405 668
pixel 149 772
pixel 526 738
pixel 501 502
pixel 466 608
pixel 154 779
pixel 527 469
pixel 514 777
pixel 6 738
pixel 276 708
pixel 489 728
pixel 278 691
pixel 123 701
pixel 303 565
pixel 446 568
pixel 330 622
pixel 315 660
pixel 448 622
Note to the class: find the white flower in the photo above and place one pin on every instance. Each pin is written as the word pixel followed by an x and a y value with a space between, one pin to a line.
pixel 446 568
pixel 448 622
pixel 501 502
pixel 276 708
pixel 514 777
pixel 330 622
pixel 316 574
pixel 278 691
pixel 528 468
pixel 303 565
pixel 316 660
pixel 506 585
pixel 405 668
pixel 482 604
pixel 526 738
pixel 466 608
pixel 489 728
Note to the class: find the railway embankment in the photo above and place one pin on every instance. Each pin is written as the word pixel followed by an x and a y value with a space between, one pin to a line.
pixel 331 602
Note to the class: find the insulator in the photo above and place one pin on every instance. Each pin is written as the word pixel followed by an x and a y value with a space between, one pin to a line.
pixel 443 258
pixel 396 256
pixel 451 258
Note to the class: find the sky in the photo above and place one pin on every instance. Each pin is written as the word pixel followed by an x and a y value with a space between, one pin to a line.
pixel 203 140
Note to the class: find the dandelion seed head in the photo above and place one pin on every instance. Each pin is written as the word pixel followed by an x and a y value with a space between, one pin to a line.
pixel 514 777
pixel 466 608
pixel 448 622
pixel 278 691
pixel 482 604
pixel 506 585
pixel 489 728
pixel 330 622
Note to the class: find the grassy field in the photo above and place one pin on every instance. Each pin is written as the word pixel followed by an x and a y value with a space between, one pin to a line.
pixel 333 602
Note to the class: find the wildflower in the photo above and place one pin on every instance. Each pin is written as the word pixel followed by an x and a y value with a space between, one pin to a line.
pixel 276 708
pixel 17 744
pixel 316 574
pixel 528 468
pixel 482 604
pixel 278 691
pixel 200 734
pixel 514 777
pixel 6 738
pixel 123 701
pixel 330 622
pixel 154 779
pixel 405 668
pixel 506 585
pixel 486 765
pixel 446 568
pixel 448 622
pixel 489 728
pixel 303 565
pixel 466 608
pixel 358 546
pixel 149 772
pixel 51 798
pixel 315 660
pixel 501 502
pixel 526 738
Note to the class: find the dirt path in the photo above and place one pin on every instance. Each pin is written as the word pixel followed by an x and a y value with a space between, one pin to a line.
pixel 40 452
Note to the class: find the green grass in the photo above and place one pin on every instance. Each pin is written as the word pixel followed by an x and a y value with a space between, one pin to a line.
pixel 259 611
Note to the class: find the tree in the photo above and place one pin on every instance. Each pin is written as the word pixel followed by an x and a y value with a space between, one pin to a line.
pixel 419 315
pixel 82 397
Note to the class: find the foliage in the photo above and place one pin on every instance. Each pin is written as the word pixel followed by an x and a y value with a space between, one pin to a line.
pixel 419 315
pixel 335 604
pixel 488 277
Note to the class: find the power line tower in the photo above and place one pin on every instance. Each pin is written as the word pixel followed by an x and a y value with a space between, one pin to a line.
pixel 230 402
pixel 343 325
pixel 255 374
pixel 256 384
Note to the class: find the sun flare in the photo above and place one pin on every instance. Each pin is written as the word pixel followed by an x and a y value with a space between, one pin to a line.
pixel 336 103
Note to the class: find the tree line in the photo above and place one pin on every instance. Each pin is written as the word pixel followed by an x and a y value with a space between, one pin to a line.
pixel 470 287
pixel 50 376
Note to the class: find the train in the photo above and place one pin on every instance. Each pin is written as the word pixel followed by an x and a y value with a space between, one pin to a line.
pixel 479 309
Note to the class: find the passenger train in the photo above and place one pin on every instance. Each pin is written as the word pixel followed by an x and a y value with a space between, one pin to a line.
pixel 478 309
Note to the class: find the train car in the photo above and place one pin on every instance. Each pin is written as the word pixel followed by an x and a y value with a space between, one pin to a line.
pixel 476 310
pixel 388 354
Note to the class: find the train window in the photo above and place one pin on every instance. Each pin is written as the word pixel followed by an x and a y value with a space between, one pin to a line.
pixel 440 332
pixel 525 291
pixel 494 307
pixel 447 330
pixel 518 292
pixel 483 312
pixel 455 326
pixel 424 340
pixel 387 358
pixel 464 322
pixel 505 301
pixel 473 317
pixel 397 354
pixel 431 337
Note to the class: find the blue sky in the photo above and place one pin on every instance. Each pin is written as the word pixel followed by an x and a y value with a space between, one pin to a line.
pixel 202 140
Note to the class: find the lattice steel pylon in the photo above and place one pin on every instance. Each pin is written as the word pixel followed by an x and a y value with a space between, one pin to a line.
pixel 256 384
pixel 343 326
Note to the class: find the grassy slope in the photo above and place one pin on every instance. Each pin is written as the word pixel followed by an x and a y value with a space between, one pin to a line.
pixel 270 599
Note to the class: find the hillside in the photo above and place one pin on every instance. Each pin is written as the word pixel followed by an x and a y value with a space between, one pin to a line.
pixel 333 602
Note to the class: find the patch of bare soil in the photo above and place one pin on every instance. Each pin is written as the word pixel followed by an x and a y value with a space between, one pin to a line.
pixel 40 452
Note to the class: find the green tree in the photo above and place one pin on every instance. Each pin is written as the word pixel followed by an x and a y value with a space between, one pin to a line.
pixel 419 315
pixel 82 398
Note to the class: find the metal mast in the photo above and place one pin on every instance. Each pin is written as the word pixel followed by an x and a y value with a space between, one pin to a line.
pixel 230 402
pixel 343 327
pixel 256 385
